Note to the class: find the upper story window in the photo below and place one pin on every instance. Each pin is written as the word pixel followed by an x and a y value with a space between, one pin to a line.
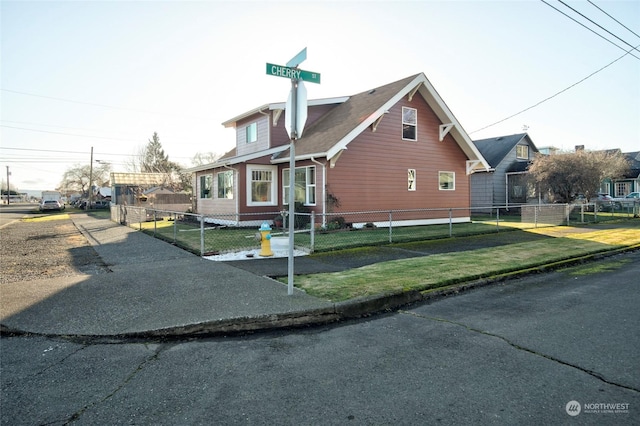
pixel 225 184
pixel 252 132
pixel 522 152
pixel 409 124
pixel 206 182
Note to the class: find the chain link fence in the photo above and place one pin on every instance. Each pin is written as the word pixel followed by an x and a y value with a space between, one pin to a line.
pixel 224 233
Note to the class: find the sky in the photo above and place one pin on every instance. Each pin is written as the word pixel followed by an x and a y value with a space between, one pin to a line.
pixel 106 75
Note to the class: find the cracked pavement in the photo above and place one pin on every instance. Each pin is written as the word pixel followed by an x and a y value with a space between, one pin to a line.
pixel 516 352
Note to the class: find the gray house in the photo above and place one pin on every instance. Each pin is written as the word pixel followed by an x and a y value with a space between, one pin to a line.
pixel 505 183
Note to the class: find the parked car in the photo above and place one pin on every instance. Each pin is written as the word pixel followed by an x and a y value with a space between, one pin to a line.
pixel 602 201
pixel 51 205
pixel 97 205
pixel 627 201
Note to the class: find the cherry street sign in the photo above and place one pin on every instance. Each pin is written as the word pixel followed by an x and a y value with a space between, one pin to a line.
pixel 293 73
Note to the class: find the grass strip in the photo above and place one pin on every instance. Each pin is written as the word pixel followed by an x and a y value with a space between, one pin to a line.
pixel 428 272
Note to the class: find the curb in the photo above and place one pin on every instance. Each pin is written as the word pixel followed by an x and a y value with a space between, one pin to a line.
pixel 341 311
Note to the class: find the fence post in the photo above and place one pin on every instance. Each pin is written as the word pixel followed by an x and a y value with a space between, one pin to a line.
pixel 567 209
pixel 390 226
pixel 155 223
pixel 313 230
pixel 450 223
pixel 498 219
pixel 535 217
pixel 175 228
pixel 201 235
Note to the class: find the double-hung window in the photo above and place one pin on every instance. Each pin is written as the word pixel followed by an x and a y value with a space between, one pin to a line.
pixel 206 183
pixel 225 184
pixel 409 124
pixel 261 185
pixel 305 185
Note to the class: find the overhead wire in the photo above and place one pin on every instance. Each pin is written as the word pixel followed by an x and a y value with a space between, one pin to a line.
pixel 627 52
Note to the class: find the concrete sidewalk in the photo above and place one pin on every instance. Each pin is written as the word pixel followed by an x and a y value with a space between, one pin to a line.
pixel 156 289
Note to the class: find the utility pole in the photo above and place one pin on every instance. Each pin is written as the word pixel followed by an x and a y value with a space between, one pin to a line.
pixel 90 181
pixel 8 191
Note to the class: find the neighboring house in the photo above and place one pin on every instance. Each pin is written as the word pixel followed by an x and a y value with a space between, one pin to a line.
pixel 505 182
pixel 394 147
pixel 128 188
pixel 630 182
pixel 161 198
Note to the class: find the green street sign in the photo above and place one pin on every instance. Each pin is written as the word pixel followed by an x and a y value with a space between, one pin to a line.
pixel 293 73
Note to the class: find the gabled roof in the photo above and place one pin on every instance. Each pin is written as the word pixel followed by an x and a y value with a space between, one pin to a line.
pixel 352 115
pixel 634 164
pixel 333 132
pixel 494 150
pixel 140 179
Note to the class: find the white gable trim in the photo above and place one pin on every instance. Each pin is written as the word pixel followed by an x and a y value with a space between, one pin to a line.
pixel 433 99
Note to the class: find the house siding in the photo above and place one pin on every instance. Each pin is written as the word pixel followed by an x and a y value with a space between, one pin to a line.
pixel 372 173
pixel 262 142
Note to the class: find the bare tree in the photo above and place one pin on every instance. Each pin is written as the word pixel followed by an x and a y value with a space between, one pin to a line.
pixel 569 175
pixel 77 178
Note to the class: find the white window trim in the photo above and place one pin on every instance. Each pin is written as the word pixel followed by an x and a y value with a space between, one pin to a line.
pixel 409 180
pixel 200 178
pixel 309 188
pixel 522 146
pixel 412 124
pixel 274 184
pixel 454 181
pixel 246 132
pixel 233 181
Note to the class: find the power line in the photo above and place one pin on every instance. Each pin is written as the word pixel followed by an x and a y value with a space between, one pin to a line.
pixel 621 24
pixel 68 134
pixel 103 105
pixel 554 95
pixel 596 24
pixel 590 29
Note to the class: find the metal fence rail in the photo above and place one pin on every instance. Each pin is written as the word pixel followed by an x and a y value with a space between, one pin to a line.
pixel 224 233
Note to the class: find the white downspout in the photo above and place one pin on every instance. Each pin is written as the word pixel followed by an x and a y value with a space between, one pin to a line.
pixel 324 191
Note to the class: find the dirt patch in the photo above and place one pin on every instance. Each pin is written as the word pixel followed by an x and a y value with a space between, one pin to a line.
pixel 46 249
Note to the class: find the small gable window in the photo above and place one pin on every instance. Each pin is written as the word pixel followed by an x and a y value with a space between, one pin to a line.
pixel 409 124
pixel 522 152
pixel 411 174
pixel 252 132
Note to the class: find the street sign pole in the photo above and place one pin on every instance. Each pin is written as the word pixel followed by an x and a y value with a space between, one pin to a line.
pixel 292 182
pixel 292 72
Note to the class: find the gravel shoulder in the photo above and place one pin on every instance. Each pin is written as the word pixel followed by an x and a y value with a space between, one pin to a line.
pixel 37 249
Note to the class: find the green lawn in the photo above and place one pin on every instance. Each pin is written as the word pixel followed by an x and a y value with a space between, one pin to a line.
pixel 434 271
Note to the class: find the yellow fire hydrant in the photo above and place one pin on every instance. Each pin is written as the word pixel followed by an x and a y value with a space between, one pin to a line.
pixel 265 240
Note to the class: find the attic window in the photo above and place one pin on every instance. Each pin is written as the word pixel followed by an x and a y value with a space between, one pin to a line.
pixel 522 152
pixel 409 124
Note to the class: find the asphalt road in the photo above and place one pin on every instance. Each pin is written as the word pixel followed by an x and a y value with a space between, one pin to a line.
pixel 513 353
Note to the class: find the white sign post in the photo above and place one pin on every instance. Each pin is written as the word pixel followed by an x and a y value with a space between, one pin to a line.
pixel 295 119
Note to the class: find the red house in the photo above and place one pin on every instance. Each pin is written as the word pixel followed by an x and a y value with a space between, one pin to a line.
pixel 394 147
